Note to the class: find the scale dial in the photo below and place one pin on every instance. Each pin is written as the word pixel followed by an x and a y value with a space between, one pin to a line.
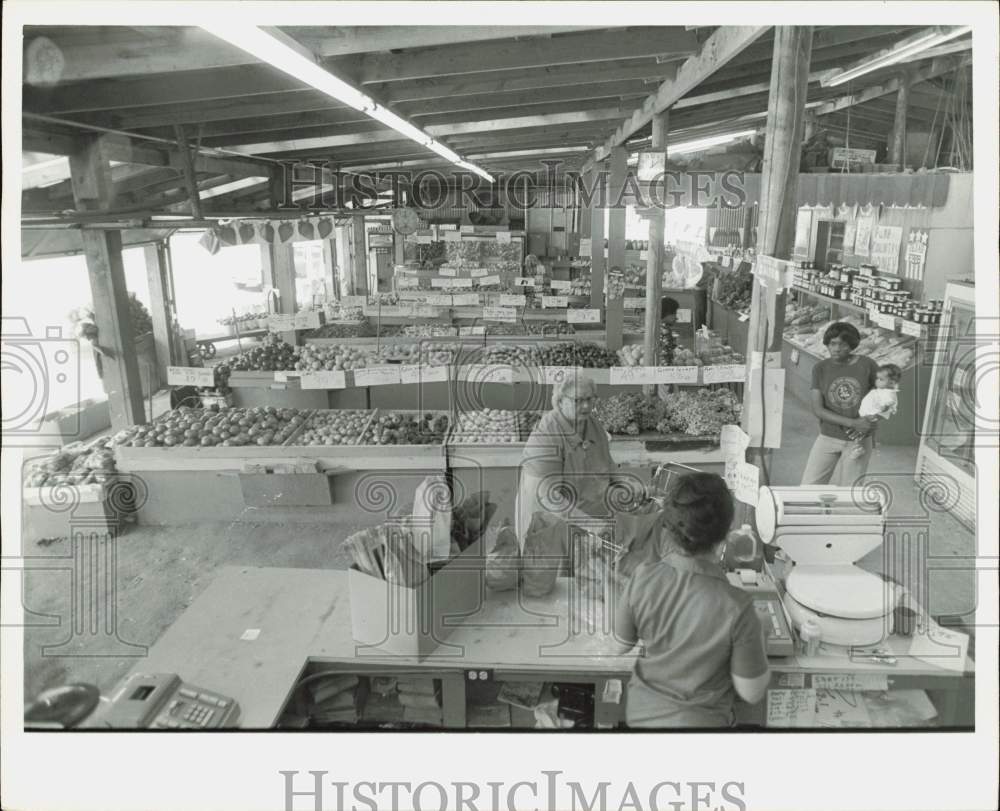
pixel 405 221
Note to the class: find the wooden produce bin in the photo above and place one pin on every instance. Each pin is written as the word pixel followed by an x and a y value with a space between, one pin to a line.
pixel 59 512
pixel 257 389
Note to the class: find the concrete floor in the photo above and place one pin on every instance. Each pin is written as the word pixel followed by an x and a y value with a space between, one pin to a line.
pixel 161 570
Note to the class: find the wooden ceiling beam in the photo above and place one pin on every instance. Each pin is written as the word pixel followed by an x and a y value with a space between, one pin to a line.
pixel 114 51
pixel 938 67
pixel 568 49
pixel 509 81
pixel 722 46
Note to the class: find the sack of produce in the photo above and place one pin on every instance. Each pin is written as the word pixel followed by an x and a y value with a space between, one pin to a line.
pixel 471 518
pixel 503 561
pixel 405 564
pixel 432 511
pixel 545 555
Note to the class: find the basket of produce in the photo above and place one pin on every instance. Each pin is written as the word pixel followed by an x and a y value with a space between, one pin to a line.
pixel 487 426
pixel 407 428
pixel 207 427
pixel 332 427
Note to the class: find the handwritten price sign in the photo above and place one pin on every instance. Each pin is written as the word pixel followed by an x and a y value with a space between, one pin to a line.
pixel 912 328
pixel 323 380
pixel 554 302
pixel 190 376
pixel 558 284
pixel 631 303
pixel 512 300
pixel 524 281
pixel 483 280
pixel 583 316
pixel 423 374
pixel 485 373
pixel 724 373
pixel 472 330
pixel 281 323
pixel 450 272
pixel 477 273
pixel 377 376
pixel 465 299
pixel 676 374
pixel 508 314
pixel 309 320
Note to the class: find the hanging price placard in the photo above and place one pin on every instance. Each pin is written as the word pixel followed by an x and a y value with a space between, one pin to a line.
pixel 190 376
pixel 556 374
pixel 377 376
pixel 423 374
pixel 747 483
pixel 323 380
pixel 280 322
pixel 583 316
pixel 585 247
pixel 554 302
pixel 512 300
pixel 508 314
pixel 683 316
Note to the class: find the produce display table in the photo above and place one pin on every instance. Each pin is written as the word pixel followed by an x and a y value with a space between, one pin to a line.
pixel 302 620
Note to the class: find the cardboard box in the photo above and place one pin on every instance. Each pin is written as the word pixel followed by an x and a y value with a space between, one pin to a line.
pixel 412 622
pixel 47 515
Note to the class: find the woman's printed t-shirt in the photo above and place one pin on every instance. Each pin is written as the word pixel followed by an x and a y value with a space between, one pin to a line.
pixel 698 630
pixel 843 386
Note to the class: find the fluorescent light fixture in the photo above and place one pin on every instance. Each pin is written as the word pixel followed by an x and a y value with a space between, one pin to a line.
pixel 903 51
pixel 471 167
pixel 700 144
pixel 276 48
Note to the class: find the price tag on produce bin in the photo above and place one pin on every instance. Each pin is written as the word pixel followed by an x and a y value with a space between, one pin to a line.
pixel 554 302
pixel 424 239
pixel 448 271
pixel 524 281
pixel 452 236
pixel 911 328
pixel 280 322
pixel 683 316
pixel 465 299
pixel 438 299
pixel 353 301
pixel 331 379
pixel 190 376
pixel 503 237
pixel 458 283
pixel 478 273
pixel 513 300
pixel 886 321
pixel 483 280
pixel 643 255
pixel 487 373
pixel 630 303
pixel 632 375
pixel 556 374
pixel 747 483
pixel 583 316
pixel 377 376
pixel 559 284
pixel 676 374
pixel 480 330
pixel 309 320
pixel 724 373
pixel 508 314
pixel 423 374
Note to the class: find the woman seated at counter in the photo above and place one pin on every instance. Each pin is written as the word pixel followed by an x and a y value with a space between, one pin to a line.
pixel 568 452
pixel 703 644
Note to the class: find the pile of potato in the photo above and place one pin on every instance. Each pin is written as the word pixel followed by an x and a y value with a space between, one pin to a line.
pixel 333 428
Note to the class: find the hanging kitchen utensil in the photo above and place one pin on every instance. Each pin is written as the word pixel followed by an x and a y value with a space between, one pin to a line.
pixel 267 232
pixel 306 230
pixel 285 231
pixel 247 233
pixel 227 235
pixel 324 227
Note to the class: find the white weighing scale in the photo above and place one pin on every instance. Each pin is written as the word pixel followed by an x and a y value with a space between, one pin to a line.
pixel 825 531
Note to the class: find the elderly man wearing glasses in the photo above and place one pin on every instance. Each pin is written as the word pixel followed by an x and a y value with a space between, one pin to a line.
pixel 567 454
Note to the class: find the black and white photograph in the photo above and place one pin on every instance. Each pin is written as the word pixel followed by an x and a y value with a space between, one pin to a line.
pixel 500 405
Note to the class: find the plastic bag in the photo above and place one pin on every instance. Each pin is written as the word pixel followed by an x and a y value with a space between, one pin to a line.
pixel 503 562
pixel 470 520
pixel 432 508
pixel 545 555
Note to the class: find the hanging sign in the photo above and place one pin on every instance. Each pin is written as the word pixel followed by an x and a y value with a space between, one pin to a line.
pixel 841 158
pixel 513 300
pixel 554 302
pixel 377 376
pixel 323 380
pixel 724 373
pixel 190 376
pixel 777 272
pixel 423 374
pixel 885 320
pixel 863 235
pixel 747 483
pixel 280 322
pixel 886 240
pixel 584 247
pixel 683 316
pixel 916 253
pixel 583 316
pixel 508 314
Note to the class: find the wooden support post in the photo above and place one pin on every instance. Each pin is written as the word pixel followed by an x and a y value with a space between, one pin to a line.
pixel 90 172
pixel 359 255
pixel 159 299
pixel 897 144
pixel 654 257
pixel 616 243
pixel 331 281
pixel 749 210
pixel 597 260
pixel 282 263
pixel 190 178
pixel 398 248
pixel 778 206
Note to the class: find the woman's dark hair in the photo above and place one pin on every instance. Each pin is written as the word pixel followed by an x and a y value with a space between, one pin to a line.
pixel 699 510
pixel 848 333
pixel 668 307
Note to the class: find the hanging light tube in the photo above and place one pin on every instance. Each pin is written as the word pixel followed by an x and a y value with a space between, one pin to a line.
pixel 282 52
pixel 897 54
